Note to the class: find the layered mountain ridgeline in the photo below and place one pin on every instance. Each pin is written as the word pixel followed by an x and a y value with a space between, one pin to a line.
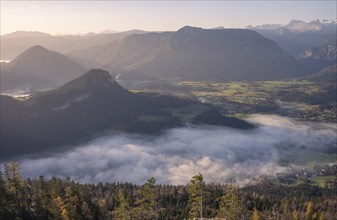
pixel 320 57
pixel 298 36
pixel 299 26
pixel 193 54
pixel 84 107
pixel 15 43
pixel 38 67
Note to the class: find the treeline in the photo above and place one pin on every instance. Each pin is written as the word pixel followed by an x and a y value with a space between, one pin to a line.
pixel 57 198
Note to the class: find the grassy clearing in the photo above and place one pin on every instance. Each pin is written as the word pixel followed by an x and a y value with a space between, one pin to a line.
pixel 243 92
pixel 299 106
pixel 294 98
pixel 320 181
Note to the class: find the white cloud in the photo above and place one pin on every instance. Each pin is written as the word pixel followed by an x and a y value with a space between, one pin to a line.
pixel 219 153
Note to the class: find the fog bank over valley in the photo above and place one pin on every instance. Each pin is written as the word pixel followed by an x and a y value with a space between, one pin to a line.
pixel 219 153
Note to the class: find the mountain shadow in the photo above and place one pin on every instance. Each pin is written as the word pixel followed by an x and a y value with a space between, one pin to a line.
pixel 84 107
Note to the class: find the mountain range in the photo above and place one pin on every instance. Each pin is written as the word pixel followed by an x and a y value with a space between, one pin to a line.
pixel 188 54
pixel 40 68
pixel 91 104
pixel 298 36
pixel 294 37
pixel 298 26
pixel 15 43
pixel 320 57
pixel 192 54
pixel 327 51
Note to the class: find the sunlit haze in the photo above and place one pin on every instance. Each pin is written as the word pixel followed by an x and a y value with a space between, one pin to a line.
pixel 73 17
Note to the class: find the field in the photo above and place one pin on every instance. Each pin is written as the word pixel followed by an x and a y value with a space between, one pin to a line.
pixel 299 99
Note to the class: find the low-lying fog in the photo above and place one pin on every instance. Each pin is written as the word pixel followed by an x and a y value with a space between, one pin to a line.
pixel 218 153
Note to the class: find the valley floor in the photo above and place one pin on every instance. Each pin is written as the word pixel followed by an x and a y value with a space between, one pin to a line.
pixel 301 99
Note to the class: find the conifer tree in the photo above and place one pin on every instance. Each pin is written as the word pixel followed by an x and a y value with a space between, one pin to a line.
pixel 195 196
pixel 16 188
pixel 71 201
pixel 55 187
pixel 4 199
pixel 123 210
pixel 147 201
pixel 231 206
pixel 41 198
pixel 58 209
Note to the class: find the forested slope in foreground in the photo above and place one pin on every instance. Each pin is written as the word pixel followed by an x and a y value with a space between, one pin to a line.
pixel 267 198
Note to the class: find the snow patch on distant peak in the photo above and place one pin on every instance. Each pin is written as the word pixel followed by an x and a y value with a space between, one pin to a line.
pixel 298 26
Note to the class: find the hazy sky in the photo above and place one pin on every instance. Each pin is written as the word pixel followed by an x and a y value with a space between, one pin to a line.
pixel 64 17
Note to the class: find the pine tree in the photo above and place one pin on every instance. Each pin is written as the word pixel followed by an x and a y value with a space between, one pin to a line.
pixel 16 188
pixel 147 201
pixel 231 206
pixel 195 197
pixel 55 187
pixel 71 201
pixel 5 209
pixel 41 198
pixel 123 211
pixel 58 209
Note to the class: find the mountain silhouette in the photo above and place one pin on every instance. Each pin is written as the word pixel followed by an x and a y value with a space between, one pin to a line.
pixel 86 106
pixel 39 67
pixel 193 54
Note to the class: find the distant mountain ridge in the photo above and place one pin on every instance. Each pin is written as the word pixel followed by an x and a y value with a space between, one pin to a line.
pixel 320 57
pixel 298 26
pixel 327 51
pixel 38 67
pixel 298 36
pixel 15 43
pixel 26 34
pixel 192 54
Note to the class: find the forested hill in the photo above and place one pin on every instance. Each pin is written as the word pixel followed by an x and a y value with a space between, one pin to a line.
pixel 95 103
pixel 66 199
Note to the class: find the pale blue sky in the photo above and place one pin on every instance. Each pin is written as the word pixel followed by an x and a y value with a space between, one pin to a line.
pixel 71 17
